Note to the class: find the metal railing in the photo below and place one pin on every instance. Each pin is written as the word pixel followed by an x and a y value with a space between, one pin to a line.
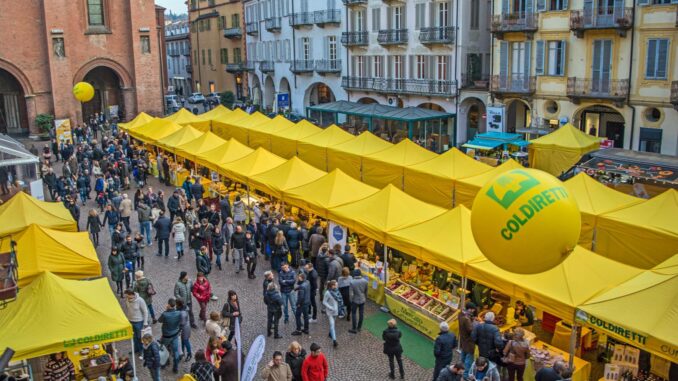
pixel 392 36
pixel 234 67
pixel 437 35
pixel 479 83
pixel 514 22
pixel 354 2
pixel 252 28
pixel 272 24
pixel 302 66
pixel 433 87
pixel 354 38
pixel 514 83
pixel 301 19
pixel 601 18
pixel 266 66
pixel 247 65
pixel 329 16
pixel 233 32
pixel 597 88
pixel 328 66
pixel 189 68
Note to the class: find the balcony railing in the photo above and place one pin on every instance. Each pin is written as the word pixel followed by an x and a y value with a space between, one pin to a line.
pixel 481 82
pixel 354 38
pixel 301 19
pixel 189 68
pixel 437 35
pixel 513 84
pixel 302 66
pixel 233 32
pixel 431 87
pixel 247 65
pixel 327 66
pixel 514 22
pixel 590 18
pixel 349 3
pixel 272 24
pixel 326 17
pixel 266 66
pixel 392 37
pixel 615 90
pixel 674 94
pixel 234 67
pixel 252 28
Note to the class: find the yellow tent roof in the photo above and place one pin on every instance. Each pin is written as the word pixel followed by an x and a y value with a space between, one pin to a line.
pixel 642 235
pixel 255 163
pixel 154 130
pixel 182 136
pixel 348 156
pixel 284 143
pixel 22 210
pixel 227 152
pixel 240 129
pixel 581 276
pixel 260 135
pixel 445 241
pixel 222 125
pixel 204 143
pixel 334 189
pixel 388 166
pixel 67 314
pixel 387 210
pixel 184 117
pixel 291 174
pixel 66 254
pixel 433 180
pixel 139 120
pixel 642 311
pixel 594 199
pixel 216 113
pixel 561 149
pixel 313 149
pixel 465 189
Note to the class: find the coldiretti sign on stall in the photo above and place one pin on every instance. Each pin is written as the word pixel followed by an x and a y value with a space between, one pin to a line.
pixel 421 322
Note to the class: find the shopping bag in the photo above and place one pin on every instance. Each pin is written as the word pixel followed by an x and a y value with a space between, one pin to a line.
pixel 146 330
pixel 164 355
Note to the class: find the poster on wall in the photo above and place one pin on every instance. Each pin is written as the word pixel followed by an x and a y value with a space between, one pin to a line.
pixel 63 130
pixel 37 189
pixel 337 234
pixel 495 119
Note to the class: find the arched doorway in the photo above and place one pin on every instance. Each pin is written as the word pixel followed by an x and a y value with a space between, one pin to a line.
pixel 367 101
pixel 108 97
pixel 432 134
pixel 13 116
pixel 472 117
pixel 316 94
pixel 285 88
pixel 602 121
pixel 518 115
pixel 269 94
pixel 255 91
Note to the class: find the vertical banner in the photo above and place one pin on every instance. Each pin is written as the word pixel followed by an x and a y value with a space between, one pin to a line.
pixel 238 341
pixel 495 119
pixel 63 130
pixel 337 234
pixel 37 189
pixel 254 356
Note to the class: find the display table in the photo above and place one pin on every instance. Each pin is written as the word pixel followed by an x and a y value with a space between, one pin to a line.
pixel 416 318
pixel 561 337
pixel 582 369
pixel 375 288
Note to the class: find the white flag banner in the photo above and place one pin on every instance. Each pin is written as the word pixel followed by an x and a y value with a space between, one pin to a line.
pixel 254 355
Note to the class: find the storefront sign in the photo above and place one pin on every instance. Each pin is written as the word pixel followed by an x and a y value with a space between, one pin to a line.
pixel 422 323
pixel 103 337
pixel 63 130
pixel 495 119
pixel 337 234
pixel 283 100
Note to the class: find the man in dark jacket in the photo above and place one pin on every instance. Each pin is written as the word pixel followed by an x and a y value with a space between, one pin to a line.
pixel 202 262
pixel 225 208
pixel 303 289
pixel 228 366
pixel 321 264
pixel 348 258
pixel 130 251
pixel 237 244
pixel 452 373
pixel 287 277
pixel 182 291
pixel 174 205
pixel 293 235
pixel 250 255
pixel 315 241
pixel 312 278
pixel 393 349
pixel 468 347
pixel 163 227
pixel 197 189
pixel 443 349
pixel 144 214
pixel 171 327
pixel 488 339
pixel 273 301
pixel 51 180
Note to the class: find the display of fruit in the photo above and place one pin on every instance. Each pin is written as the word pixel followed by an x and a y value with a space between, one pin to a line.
pixel 409 294
pixel 423 300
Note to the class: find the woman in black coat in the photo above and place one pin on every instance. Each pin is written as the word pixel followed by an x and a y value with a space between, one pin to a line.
pixel 392 348
pixel 231 310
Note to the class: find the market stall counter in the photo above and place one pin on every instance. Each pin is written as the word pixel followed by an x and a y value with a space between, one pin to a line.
pixel 543 355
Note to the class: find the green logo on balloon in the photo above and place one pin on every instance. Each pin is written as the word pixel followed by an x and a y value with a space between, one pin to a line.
pixel 508 189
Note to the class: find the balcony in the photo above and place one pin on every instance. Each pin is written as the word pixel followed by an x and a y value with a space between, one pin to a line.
pixel 233 33
pixel 429 87
pixel 328 66
pixel 674 94
pixel 302 66
pixel 189 68
pixel 513 85
pixel 392 37
pixel 266 66
pixel 350 3
pixel 393 2
pixel 327 17
pixel 437 35
pixel 520 22
pixel 252 28
pixel 614 90
pixel 247 65
pixel 301 19
pixel 354 38
pixel 619 19
pixel 173 53
pixel 272 24
pixel 481 82
pixel 234 68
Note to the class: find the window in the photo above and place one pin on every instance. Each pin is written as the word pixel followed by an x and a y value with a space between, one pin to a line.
pixel 378 66
pixel 208 24
pixel 359 21
pixel 237 58
pixel 359 68
pixel 95 12
pixel 398 67
pixel 650 140
pixel 235 20
pixel 475 14
pixel 442 68
pixel 221 22
pixel 332 47
pixel 398 17
pixel 305 48
pixel 657 58
pixel 551 58
pixel 203 56
pixel 376 19
pixel 223 54
pixel 419 16
pixel 552 5
pixel 145 44
pixel 209 56
pixel 420 67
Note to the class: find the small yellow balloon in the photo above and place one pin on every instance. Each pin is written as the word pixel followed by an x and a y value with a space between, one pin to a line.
pixel 525 221
pixel 83 91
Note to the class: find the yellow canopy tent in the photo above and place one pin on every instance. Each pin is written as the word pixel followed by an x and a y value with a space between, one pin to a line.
pixel 387 210
pixel 255 163
pixel 216 113
pixel 204 143
pixel 465 189
pixel 642 235
pixel 560 150
pixel 388 166
pixel 227 152
pixel 221 126
pixel 642 311
pixel 182 136
pixel 184 117
pixel 595 199
pixel 433 180
pixel 445 241
pixel 334 189
pixel 239 130
pixel 66 254
pixel 348 156
pixel 291 174
pixel 22 210
pixel 53 315
pixel 581 276
pixel 139 120
pixel 154 130
pixel 284 143
pixel 260 135
pixel 313 149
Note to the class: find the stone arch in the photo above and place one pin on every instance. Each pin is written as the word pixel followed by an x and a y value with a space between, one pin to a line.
pixel 602 120
pixel 269 93
pixel 367 100
pixel 284 87
pixel 470 116
pixel 518 114
pixel 18 74
pixel 431 106
pixel 319 93
pixel 125 78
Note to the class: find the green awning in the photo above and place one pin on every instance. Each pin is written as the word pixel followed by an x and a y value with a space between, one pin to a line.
pixel 379 111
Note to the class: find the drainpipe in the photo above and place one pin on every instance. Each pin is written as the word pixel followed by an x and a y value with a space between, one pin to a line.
pixel 456 73
pixel 348 63
pixel 294 49
pixel 491 55
pixel 628 96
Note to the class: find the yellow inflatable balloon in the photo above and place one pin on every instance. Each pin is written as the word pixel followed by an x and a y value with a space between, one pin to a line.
pixel 525 221
pixel 83 91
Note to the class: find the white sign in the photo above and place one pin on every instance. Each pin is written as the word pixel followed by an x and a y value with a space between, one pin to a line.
pixel 337 235
pixel 495 119
pixel 239 344
pixel 254 355
pixel 37 189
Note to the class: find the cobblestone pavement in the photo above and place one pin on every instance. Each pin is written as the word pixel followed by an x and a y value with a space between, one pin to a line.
pixel 358 357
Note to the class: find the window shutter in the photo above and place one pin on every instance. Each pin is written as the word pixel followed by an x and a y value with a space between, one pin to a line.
pixel 432 16
pixel 650 63
pixel 505 7
pixel 310 49
pixel 563 57
pixel 541 5
pixel 412 63
pixel 662 53
pixel 326 48
pixel 403 17
pixel 645 2
pixel 368 67
pixel 539 60
pixel 529 6
pixel 417 15
pixel 431 67
pixel 528 56
pixel 566 6
pixel 503 63
pixel 389 17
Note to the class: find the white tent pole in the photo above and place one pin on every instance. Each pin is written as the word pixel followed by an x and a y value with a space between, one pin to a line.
pixel 134 360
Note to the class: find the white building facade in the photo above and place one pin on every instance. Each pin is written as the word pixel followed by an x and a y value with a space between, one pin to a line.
pixel 178 47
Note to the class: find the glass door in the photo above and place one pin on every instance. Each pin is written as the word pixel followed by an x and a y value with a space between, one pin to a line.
pixel 602 61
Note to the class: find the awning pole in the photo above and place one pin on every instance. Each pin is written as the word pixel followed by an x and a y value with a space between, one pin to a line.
pixel 573 340
pixel 384 308
pixel 134 361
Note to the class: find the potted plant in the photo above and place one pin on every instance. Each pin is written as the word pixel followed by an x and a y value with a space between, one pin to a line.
pixel 44 122
pixel 227 99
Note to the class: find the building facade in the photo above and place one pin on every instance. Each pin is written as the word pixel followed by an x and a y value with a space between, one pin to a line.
pixel 47 47
pixel 178 47
pixel 294 48
pixel 217 45
pixel 607 66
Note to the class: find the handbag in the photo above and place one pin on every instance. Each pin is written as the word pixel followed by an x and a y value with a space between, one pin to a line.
pixel 164 355
pixel 509 357
pixel 146 330
pixel 150 290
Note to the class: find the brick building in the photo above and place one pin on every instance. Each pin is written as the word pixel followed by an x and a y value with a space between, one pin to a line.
pixel 48 46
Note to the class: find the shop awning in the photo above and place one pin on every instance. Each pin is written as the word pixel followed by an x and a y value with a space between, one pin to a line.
pixel 22 210
pixel 216 113
pixel 53 315
pixel 208 141
pixel 66 254
pixel 227 152
pixel 379 111
pixel 482 144
pixel 240 129
pixel 184 117
pixel 255 163
pixel 14 153
pixel 433 180
pixel 466 188
pixel 221 126
pixel 182 136
pixel 154 130
pixel 647 166
pixel 388 166
pixel 642 235
pixel 139 120
pixel 558 151
pixel 642 311
pixel 284 143
pixel 347 156
pixel 595 199
pixel 313 149
pixel 260 135
pixel 291 174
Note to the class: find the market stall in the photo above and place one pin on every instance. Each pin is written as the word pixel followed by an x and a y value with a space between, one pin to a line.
pixel 260 135
pixel 171 142
pixel 291 174
pixel 225 153
pixel 216 113
pixel 239 129
pixel 257 162
pixel 388 166
pixel 466 188
pixel 494 148
pixel 184 117
pixel 313 149
pixel 221 126
pixel 558 151
pixel 139 120
pixel 154 130
pixel 284 143
pixel 22 210
pixel 347 156
pixel 206 142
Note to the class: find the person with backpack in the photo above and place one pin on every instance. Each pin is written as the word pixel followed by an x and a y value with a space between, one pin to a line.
pixel 145 289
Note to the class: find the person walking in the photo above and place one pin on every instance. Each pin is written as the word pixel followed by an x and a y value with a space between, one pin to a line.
pixel 130 251
pixel 443 349
pixel 273 301
pixel 174 205
pixel 468 347
pixel 137 314
pixel 358 297
pixel 218 247
pixel 112 217
pixel 94 226
pixel 144 288
pixel 392 348
pixel 316 240
pixel 201 292
pixel 488 339
pixel 182 291
pixel 344 285
pixel 333 304
pixel 201 369
pixel 295 357
pixel 303 289
pixel 144 216
pixel 322 264
pixel 239 215
pixel 126 209
pixel 202 262
pixel 179 235
pixel 250 255
pixel 231 311
pixel 516 351
pixel 163 227
pixel 237 245
pixel 171 329
pixel 186 350
pixel 116 269
pixel 228 366
pixel 312 278
pixel 151 350
pixel 294 238
pixel 315 367
pixel 336 264
pixel 286 278
pixel 279 251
